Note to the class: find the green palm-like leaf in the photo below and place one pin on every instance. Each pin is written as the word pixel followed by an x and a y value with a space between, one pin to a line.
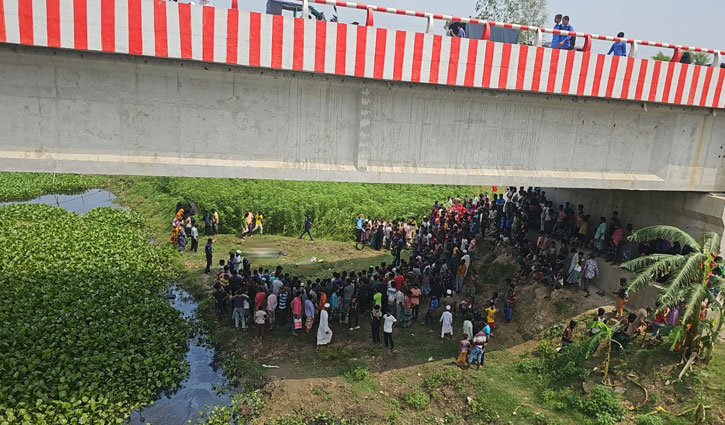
pixel 696 295
pixel 681 279
pixel 712 242
pixel 656 263
pixel 637 264
pixel 668 233
pixel 593 342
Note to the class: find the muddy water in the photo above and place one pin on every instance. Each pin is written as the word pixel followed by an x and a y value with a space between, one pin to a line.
pixel 198 392
pixel 79 203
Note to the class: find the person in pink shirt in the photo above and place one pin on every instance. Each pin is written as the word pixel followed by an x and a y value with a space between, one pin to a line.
pixel 271 307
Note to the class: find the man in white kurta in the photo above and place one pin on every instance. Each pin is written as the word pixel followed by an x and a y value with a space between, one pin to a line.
pixel 446 320
pixel 324 334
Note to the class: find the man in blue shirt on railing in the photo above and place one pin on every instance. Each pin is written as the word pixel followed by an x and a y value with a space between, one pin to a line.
pixel 556 37
pixel 565 40
pixel 619 48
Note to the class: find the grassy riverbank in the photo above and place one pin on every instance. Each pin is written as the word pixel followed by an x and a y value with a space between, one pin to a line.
pixel 524 380
pixel 80 304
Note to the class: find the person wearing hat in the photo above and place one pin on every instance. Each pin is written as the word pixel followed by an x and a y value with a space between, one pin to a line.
pixel 448 301
pixel 237 260
pixel 446 322
pixel 324 333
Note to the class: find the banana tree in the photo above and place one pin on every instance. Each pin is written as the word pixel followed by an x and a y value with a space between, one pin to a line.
pixel 605 335
pixel 688 281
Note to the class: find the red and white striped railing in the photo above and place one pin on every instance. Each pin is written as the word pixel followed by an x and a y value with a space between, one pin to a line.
pixel 231 36
pixel 540 30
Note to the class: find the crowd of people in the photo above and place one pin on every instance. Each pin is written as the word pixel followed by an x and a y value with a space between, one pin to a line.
pixel 431 273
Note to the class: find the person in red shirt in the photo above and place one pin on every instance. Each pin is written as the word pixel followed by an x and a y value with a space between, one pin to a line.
pixel 399 279
pixel 323 300
pixel 260 300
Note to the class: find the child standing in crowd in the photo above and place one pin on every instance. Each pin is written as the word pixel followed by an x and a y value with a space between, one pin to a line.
pixel 260 318
pixel 491 315
pixel 463 348
pixel 430 316
pixel 622 297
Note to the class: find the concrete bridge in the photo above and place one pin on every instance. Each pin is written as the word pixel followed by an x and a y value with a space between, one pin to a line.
pixel 155 88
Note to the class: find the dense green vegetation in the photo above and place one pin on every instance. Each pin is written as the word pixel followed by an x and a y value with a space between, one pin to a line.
pixel 85 335
pixel 284 204
pixel 332 206
pixel 22 186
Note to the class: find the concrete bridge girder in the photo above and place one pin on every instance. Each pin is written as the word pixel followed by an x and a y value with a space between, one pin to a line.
pixel 93 113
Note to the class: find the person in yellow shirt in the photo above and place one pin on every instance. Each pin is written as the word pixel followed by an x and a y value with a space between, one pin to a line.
pixel 258 223
pixel 491 316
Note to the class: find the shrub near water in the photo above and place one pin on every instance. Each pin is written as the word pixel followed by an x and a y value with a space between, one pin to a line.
pixel 85 336
pixel 22 186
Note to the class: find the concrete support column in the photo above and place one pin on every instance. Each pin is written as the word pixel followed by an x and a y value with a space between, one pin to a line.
pixel 363 133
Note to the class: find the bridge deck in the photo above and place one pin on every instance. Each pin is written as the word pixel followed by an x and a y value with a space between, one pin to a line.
pixel 208 34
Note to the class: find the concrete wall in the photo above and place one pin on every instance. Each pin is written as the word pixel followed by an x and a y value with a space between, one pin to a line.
pixel 66 111
pixel 695 213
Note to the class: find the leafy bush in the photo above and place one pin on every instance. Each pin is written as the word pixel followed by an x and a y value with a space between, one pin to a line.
pixel 481 413
pixel 334 353
pixel 358 374
pixel 85 335
pixel 604 405
pixel 417 399
pixel 441 377
pixel 649 420
pixel 23 186
pixel 558 367
pixel 309 419
pixel 245 372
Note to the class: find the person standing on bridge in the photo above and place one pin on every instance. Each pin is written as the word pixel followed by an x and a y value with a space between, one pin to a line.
pixel 555 38
pixel 565 41
pixel 619 48
pixel 307 227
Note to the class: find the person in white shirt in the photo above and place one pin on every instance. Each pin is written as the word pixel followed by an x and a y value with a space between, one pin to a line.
pixel 194 238
pixel 446 322
pixel 237 260
pixel 388 324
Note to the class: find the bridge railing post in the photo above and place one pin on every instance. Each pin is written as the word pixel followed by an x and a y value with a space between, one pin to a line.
pixel 305 9
pixel 716 59
pixel 633 49
pixel 369 18
pixel 486 34
pixel 538 37
pixel 676 55
pixel 587 47
pixel 430 25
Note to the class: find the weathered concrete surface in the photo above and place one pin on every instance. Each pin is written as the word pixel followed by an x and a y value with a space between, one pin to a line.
pixel 67 111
